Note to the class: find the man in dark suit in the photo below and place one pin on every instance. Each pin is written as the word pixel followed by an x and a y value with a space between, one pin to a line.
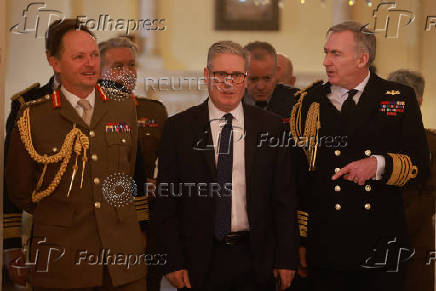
pixel 225 201
pixel 263 89
pixel 365 141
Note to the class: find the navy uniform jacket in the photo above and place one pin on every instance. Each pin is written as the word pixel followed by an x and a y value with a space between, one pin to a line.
pixel 12 215
pixel 340 222
pixel 281 102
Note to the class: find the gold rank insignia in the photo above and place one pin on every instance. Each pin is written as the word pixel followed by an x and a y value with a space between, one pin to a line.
pixel 392 92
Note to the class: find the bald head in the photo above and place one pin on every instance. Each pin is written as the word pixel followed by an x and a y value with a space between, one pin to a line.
pixel 285 71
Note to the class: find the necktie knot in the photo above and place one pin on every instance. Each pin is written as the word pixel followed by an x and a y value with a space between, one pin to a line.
pixel 351 94
pixel 87 110
pixel 84 104
pixel 228 117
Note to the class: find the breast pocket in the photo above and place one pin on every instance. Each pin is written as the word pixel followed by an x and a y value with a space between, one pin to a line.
pixel 119 147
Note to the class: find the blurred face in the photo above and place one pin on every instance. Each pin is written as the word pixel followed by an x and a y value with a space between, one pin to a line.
pixel 78 62
pixel 120 66
pixel 261 78
pixel 226 81
pixel 345 66
pixel 284 71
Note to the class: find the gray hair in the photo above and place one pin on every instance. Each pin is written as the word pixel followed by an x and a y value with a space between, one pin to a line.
pixel 227 47
pixel 364 39
pixel 259 49
pixel 409 78
pixel 116 42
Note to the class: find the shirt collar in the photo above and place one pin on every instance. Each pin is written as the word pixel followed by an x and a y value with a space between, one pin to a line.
pixel 73 98
pixel 215 113
pixel 342 91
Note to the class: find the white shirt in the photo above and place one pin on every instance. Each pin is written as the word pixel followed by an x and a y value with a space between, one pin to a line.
pixel 338 96
pixel 73 99
pixel 239 219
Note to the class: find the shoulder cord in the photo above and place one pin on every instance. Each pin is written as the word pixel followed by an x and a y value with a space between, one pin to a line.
pixel 75 137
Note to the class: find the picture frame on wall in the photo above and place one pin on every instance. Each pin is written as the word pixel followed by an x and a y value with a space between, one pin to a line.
pixel 246 15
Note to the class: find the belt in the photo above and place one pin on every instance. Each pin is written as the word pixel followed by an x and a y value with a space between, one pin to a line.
pixel 235 238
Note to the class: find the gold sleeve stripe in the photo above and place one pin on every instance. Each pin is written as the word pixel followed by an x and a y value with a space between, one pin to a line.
pixel 143 215
pixel 12 224
pixel 303 230
pixel 12 232
pixel 12 215
pixel 299 212
pixel 402 170
pixel 12 219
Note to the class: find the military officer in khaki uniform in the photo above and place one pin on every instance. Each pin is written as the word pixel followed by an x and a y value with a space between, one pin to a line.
pixel 69 164
pixel 118 65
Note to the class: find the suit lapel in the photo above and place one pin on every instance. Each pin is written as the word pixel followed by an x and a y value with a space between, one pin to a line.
pixel 366 106
pixel 203 136
pixel 250 141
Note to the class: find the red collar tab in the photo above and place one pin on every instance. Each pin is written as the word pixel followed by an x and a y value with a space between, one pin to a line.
pixel 102 94
pixel 56 98
pixel 134 99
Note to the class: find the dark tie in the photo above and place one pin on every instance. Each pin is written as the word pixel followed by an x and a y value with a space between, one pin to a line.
pixel 262 104
pixel 349 106
pixel 224 179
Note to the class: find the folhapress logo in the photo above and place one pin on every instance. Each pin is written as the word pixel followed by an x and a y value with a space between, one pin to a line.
pixel 36 18
pixel 389 20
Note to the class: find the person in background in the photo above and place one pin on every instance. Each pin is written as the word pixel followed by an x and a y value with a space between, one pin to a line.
pixel 285 70
pixel 419 201
pixel 262 87
pixel 118 64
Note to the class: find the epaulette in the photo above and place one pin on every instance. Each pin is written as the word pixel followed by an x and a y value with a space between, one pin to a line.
pixel 19 95
pixel 37 101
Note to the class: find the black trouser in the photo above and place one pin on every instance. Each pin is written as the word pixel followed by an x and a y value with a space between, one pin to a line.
pixel 359 280
pixel 232 270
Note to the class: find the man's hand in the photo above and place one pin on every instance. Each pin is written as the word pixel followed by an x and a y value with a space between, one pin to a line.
pixel 179 279
pixel 302 268
pixel 286 277
pixel 358 171
pixel 15 262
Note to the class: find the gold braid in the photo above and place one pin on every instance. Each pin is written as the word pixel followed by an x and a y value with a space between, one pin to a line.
pixel 74 136
pixel 311 128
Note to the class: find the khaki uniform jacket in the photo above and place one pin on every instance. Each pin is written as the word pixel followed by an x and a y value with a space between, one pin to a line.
pixel 75 237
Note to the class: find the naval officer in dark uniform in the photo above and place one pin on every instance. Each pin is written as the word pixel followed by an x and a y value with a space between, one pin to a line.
pixel 361 140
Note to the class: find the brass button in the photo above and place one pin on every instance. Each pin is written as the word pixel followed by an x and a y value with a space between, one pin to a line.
pixel 47 97
pixel 368 188
pixel 92 133
pixel 337 153
pixel 367 206
pixel 337 188
pixel 96 181
pixel 94 157
pixel 123 140
pixel 367 153
pixel 337 170
pixel 338 206
pixel 97 204
pixel 147 133
pixel 54 149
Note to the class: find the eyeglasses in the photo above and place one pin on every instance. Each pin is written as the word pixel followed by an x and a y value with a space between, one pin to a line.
pixel 235 77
